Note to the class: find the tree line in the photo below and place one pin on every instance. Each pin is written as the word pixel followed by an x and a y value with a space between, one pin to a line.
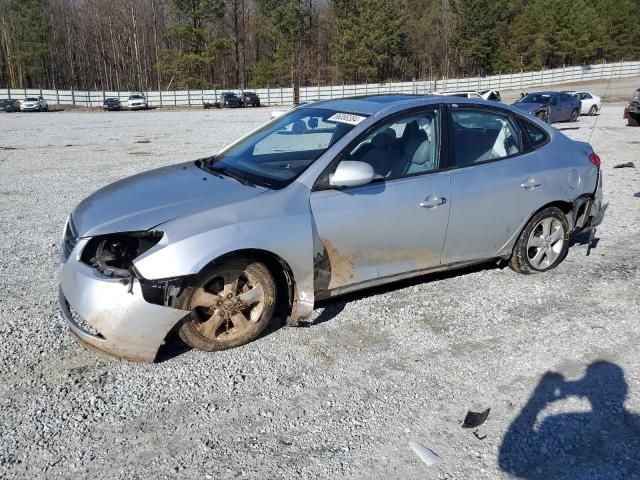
pixel 179 44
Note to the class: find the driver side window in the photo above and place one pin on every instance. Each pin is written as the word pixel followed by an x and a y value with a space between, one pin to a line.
pixel 401 147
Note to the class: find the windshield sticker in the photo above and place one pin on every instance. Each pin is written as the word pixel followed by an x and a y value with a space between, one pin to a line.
pixel 349 118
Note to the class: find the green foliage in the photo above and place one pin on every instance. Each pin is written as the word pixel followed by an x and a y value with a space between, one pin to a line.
pixel 31 33
pixel 195 50
pixel 370 36
pixel 283 32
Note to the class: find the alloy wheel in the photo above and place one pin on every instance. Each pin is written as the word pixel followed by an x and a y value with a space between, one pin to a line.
pixel 228 305
pixel 545 243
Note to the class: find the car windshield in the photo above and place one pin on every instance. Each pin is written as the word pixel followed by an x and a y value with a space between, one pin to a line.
pixel 136 97
pixel 277 153
pixel 32 99
pixel 536 98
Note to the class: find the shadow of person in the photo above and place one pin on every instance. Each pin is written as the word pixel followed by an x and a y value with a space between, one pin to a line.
pixel 602 443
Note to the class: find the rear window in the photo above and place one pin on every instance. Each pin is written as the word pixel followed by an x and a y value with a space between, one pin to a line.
pixel 537 136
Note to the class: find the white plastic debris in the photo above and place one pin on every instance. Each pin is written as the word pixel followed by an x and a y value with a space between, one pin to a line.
pixel 427 455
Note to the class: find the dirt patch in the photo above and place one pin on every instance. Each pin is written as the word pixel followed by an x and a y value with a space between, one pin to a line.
pixel 341 265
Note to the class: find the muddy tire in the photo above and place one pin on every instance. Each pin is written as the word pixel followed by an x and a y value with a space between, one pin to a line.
pixel 633 120
pixel 231 303
pixel 543 116
pixel 543 244
pixel 574 115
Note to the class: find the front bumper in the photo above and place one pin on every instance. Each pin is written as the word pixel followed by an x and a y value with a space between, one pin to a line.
pixel 124 324
pixel 33 108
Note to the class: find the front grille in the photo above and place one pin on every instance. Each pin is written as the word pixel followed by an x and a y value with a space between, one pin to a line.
pixel 70 239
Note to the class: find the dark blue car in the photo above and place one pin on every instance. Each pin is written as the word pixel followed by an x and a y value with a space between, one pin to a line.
pixel 550 106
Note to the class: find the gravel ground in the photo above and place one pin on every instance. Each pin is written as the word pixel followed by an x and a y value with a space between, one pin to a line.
pixel 342 398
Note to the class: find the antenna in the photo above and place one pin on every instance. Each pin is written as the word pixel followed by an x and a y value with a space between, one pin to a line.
pixel 603 96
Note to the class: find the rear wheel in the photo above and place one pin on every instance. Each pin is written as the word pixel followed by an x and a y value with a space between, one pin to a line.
pixel 231 304
pixel 574 115
pixel 593 110
pixel 543 244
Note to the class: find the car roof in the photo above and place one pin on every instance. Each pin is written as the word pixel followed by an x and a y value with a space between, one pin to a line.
pixel 370 104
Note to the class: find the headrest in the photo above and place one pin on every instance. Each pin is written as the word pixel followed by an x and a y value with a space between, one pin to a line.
pixel 383 139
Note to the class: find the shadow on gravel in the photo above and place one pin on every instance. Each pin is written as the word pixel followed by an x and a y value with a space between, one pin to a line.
pixel 599 444
pixel 173 347
pixel 333 306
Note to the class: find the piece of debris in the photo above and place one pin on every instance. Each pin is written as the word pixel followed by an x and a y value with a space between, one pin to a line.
pixel 475 419
pixel 637 194
pixel 143 141
pixel 625 165
pixel 8 148
pixel 477 435
pixel 427 455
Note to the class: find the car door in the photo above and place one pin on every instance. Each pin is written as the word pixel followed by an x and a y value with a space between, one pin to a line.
pixel 397 223
pixel 495 182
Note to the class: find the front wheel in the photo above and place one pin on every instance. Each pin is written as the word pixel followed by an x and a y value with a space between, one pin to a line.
pixel 543 244
pixel 633 120
pixel 543 116
pixel 231 304
pixel 574 115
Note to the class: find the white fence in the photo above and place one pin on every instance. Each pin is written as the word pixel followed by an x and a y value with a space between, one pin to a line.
pixel 284 96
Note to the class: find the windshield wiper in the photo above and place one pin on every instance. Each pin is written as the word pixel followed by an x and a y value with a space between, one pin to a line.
pixel 230 173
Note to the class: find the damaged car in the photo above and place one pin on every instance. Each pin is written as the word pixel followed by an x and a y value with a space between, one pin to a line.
pixel 331 197
pixel 550 106
pixel 632 111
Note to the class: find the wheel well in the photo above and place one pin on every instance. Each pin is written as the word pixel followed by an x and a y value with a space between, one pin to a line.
pixel 278 267
pixel 566 207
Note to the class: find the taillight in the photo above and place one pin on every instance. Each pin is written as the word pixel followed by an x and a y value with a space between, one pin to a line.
pixel 595 159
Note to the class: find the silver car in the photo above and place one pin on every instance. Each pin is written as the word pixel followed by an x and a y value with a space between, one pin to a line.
pixel 331 197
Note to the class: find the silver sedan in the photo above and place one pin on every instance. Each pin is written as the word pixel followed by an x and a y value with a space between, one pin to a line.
pixel 331 197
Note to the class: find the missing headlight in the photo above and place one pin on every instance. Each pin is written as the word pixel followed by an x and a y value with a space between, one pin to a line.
pixel 113 255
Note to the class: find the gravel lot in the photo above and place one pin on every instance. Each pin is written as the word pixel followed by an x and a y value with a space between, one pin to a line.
pixel 342 398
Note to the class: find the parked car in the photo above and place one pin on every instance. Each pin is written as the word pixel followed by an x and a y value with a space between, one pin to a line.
pixel 491 95
pixel 329 198
pixel 485 94
pixel 550 106
pixel 137 101
pixel 250 99
pixel 34 104
pixel 9 105
pixel 461 94
pixel 632 111
pixel 111 104
pixel 229 100
pixel 590 104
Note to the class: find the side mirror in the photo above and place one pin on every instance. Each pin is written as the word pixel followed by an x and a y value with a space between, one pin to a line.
pixel 351 174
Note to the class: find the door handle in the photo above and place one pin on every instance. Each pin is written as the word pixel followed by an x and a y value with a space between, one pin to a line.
pixel 530 183
pixel 432 201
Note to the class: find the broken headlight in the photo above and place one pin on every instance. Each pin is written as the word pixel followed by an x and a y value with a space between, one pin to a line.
pixel 113 255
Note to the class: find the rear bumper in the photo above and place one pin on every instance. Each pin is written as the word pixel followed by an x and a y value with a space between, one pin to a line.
pixel 597 207
pixel 102 314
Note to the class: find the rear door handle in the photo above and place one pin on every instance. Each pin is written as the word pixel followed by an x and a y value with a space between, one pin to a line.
pixel 432 201
pixel 530 183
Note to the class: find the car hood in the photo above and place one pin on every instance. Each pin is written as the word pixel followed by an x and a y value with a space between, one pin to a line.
pixel 530 107
pixel 148 199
